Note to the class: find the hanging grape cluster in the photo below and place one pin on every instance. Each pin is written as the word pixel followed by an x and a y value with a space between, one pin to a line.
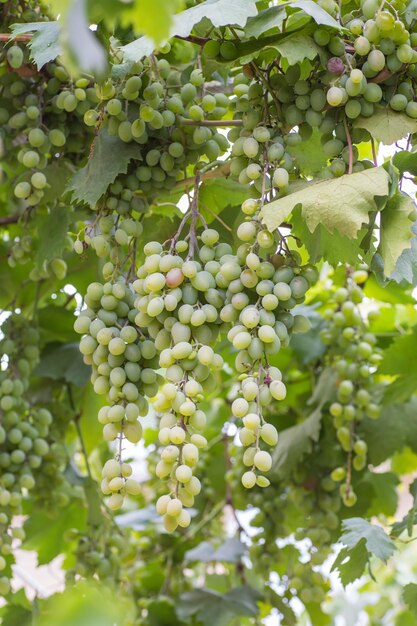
pixel 354 356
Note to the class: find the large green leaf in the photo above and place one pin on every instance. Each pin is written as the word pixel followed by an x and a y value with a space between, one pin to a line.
pixel 406 161
pixel 406 268
pixel 52 234
pixel 341 204
pixel 219 12
pixel 294 442
pixel 351 562
pixel 57 522
pixel 395 230
pixel 230 551
pixel 377 542
pixel 319 15
pixel 297 48
pixel 215 609
pixel 386 125
pixel 390 432
pixel 109 157
pixel 45 44
pixel 410 596
pixel 63 362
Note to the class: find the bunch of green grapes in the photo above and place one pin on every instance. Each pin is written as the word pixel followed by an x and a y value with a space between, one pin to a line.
pixel 39 125
pixel 24 430
pixel 101 552
pixel 262 288
pixel 179 302
pixel 123 361
pixel 353 354
pixel 156 107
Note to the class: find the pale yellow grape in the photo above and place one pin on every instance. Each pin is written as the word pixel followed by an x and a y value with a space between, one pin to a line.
pixel 247 437
pixel 262 481
pixel 248 456
pixel 198 440
pixel 115 501
pixel 250 317
pixel 174 507
pixel 170 454
pixel 132 487
pixel 116 483
pixel 183 473
pixel 111 469
pixel 278 389
pixel 240 407
pixel 170 523
pixel 249 479
pixel 250 391
pixel 133 431
pixel 266 334
pixel 110 432
pixel 190 454
pixel 252 421
pixel 263 461
pixel 184 519
pixel 269 434
pixel 187 408
pixel 242 340
pixel 177 435
pixel 161 504
pixel 164 435
pixel 163 469
pixel 193 486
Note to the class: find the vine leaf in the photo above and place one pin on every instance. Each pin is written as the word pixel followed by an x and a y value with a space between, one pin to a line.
pixel 231 551
pixel 58 522
pixel 265 20
pixel 319 15
pixel 395 230
pixel 400 359
pixel 377 542
pixel 406 267
pixel 63 362
pixel 405 161
pixel 109 158
pixel 219 12
pixel 298 48
pixel 45 44
pixel 216 609
pixel 351 563
pixel 410 596
pixel 294 442
pixel 341 204
pixel 386 125
pixel 52 234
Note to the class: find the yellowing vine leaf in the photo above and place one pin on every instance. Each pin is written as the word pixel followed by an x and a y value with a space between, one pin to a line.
pixel 386 125
pixel 341 204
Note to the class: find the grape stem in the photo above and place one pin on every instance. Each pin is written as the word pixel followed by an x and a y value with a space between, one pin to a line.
pixel 76 419
pixel 350 147
pixel 10 219
pixel 4 37
pixel 218 172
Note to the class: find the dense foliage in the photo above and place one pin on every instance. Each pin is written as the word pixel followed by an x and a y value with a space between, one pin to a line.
pixel 208 330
